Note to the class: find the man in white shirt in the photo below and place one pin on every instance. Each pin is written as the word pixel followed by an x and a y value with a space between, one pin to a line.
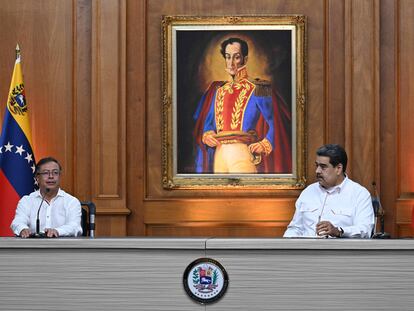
pixel 59 213
pixel 335 206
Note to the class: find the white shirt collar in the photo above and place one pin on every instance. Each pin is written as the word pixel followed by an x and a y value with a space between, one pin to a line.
pixel 337 188
pixel 59 193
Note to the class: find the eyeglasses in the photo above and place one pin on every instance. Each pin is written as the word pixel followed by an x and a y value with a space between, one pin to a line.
pixel 46 174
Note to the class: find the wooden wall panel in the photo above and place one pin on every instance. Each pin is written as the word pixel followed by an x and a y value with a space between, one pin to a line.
pixel 406 94
pixel 396 129
pixel 404 172
pixel 252 229
pixel 334 78
pixel 82 99
pixel 136 115
pixel 93 82
pixel 361 88
pixel 109 108
pixel 389 111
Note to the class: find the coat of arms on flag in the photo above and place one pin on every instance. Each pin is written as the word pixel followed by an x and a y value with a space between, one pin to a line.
pixel 17 162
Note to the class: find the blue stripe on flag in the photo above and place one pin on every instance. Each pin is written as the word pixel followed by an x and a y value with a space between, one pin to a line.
pixel 16 161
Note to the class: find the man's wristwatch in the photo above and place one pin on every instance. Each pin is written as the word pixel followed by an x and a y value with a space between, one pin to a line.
pixel 341 232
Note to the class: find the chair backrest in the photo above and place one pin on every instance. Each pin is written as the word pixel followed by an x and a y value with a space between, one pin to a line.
pixel 379 215
pixel 84 222
pixel 88 218
pixel 376 206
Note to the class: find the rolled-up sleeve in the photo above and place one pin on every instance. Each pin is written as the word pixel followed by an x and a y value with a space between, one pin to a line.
pixel 295 227
pixel 72 226
pixel 22 217
pixel 364 218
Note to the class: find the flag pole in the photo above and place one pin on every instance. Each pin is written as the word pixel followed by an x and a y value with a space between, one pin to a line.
pixel 17 51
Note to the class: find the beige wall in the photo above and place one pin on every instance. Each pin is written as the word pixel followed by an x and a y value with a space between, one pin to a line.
pixel 93 83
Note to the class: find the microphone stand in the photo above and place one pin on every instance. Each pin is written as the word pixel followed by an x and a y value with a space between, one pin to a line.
pixel 379 212
pixel 39 234
pixel 92 212
pixel 382 234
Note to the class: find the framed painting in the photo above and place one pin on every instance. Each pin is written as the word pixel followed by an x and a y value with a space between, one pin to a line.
pixel 234 99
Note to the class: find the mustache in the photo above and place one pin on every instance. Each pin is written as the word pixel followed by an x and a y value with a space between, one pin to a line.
pixel 319 176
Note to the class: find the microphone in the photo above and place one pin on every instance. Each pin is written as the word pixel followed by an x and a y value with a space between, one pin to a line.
pixel 37 234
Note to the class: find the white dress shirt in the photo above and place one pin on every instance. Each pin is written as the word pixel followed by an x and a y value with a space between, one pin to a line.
pixel 62 213
pixel 347 205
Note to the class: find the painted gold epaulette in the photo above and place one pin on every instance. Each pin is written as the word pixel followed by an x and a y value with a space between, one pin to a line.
pixel 263 87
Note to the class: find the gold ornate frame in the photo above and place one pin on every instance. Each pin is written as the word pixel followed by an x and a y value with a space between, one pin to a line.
pixel 171 178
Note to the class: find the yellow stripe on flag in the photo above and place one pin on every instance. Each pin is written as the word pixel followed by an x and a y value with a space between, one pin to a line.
pixel 16 102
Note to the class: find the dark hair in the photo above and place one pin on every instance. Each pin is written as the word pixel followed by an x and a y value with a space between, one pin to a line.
pixel 44 161
pixel 335 153
pixel 243 45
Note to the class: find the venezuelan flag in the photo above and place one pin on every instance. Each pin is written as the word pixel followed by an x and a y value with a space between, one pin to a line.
pixel 17 162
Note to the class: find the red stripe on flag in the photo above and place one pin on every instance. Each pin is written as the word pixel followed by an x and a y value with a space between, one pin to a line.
pixel 8 209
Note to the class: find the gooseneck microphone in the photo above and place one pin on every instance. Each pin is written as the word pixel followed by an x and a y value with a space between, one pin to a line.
pixel 38 212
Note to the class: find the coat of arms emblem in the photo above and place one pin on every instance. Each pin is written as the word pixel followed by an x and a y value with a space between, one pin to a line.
pixel 205 280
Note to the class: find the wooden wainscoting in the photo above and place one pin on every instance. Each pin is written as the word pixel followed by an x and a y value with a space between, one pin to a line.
pixel 93 73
